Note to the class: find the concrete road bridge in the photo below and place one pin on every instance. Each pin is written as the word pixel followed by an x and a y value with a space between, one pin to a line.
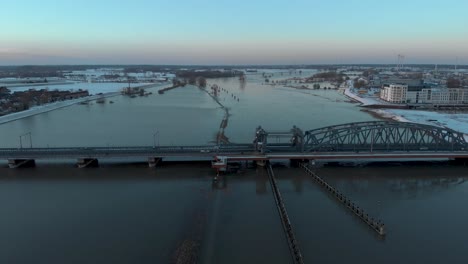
pixel 354 141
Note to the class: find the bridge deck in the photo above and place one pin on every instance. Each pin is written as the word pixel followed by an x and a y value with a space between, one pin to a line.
pixel 239 152
pixel 361 140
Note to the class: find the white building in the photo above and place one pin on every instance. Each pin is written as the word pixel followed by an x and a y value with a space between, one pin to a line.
pixel 398 94
pixel 444 96
pixel 394 93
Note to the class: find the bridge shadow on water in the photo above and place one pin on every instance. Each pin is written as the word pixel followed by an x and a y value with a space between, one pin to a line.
pixel 242 201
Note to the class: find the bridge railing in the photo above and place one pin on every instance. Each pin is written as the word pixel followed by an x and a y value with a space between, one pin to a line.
pixel 121 150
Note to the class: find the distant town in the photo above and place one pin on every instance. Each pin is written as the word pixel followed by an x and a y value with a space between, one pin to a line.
pixel 23 100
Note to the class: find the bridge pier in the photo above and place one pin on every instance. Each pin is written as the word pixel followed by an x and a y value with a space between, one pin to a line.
pixel 153 161
pixel 295 163
pixel 21 163
pixel 87 163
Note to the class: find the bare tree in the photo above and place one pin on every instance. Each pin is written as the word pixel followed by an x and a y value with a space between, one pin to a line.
pixel 201 82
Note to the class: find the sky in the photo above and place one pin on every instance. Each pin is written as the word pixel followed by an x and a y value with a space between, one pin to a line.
pixel 206 32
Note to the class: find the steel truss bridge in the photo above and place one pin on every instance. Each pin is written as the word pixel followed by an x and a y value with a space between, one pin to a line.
pixel 374 136
pixel 362 140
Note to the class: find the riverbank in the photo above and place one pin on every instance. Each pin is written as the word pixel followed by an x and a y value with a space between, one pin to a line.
pixel 36 110
pixel 384 115
pixel 162 91
pixel 455 121
pixel 362 100
pixel 92 88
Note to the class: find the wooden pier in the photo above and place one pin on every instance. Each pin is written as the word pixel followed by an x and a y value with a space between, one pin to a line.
pixel 375 224
pixel 292 242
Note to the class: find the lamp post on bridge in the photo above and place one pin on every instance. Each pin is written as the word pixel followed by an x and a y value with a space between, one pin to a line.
pixel 21 139
pixel 154 138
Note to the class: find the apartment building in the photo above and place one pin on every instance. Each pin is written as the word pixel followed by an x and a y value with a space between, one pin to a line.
pixel 394 93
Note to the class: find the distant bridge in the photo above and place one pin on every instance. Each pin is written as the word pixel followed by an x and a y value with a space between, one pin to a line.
pixel 363 140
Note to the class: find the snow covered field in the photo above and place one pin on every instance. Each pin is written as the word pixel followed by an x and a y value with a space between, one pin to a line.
pixel 93 88
pixel 457 122
pixel 92 73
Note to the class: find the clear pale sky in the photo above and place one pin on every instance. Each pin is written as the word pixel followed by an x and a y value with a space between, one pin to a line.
pixel 232 32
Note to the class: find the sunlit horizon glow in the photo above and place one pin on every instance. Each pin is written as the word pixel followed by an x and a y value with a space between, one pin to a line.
pixel 205 32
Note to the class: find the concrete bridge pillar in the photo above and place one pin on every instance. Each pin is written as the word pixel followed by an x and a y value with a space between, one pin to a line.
pixel 153 161
pixel 261 163
pixel 87 163
pixel 294 163
pixel 21 163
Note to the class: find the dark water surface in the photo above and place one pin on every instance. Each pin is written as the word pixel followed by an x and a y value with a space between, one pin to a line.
pixel 133 214
pixel 422 208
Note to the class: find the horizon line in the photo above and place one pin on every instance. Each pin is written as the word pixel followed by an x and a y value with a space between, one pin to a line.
pixel 231 65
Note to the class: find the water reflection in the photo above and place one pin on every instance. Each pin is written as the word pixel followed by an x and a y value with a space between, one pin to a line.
pixel 220 183
pixel 261 183
pixel 408 182
pixel 242 83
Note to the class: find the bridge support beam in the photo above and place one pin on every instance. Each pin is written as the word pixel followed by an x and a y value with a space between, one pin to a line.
pixel 87 163
pixel 153 161
pixel 295 163
pixel 21 163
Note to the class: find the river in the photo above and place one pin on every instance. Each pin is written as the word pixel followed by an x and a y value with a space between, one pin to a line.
pixel 128 213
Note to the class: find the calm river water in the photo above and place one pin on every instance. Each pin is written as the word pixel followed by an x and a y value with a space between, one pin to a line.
pixel 129 213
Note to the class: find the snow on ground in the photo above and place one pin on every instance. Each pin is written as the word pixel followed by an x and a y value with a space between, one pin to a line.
pixel 93 88
pixel 385 113
pixel 363 100
pixel 457 122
